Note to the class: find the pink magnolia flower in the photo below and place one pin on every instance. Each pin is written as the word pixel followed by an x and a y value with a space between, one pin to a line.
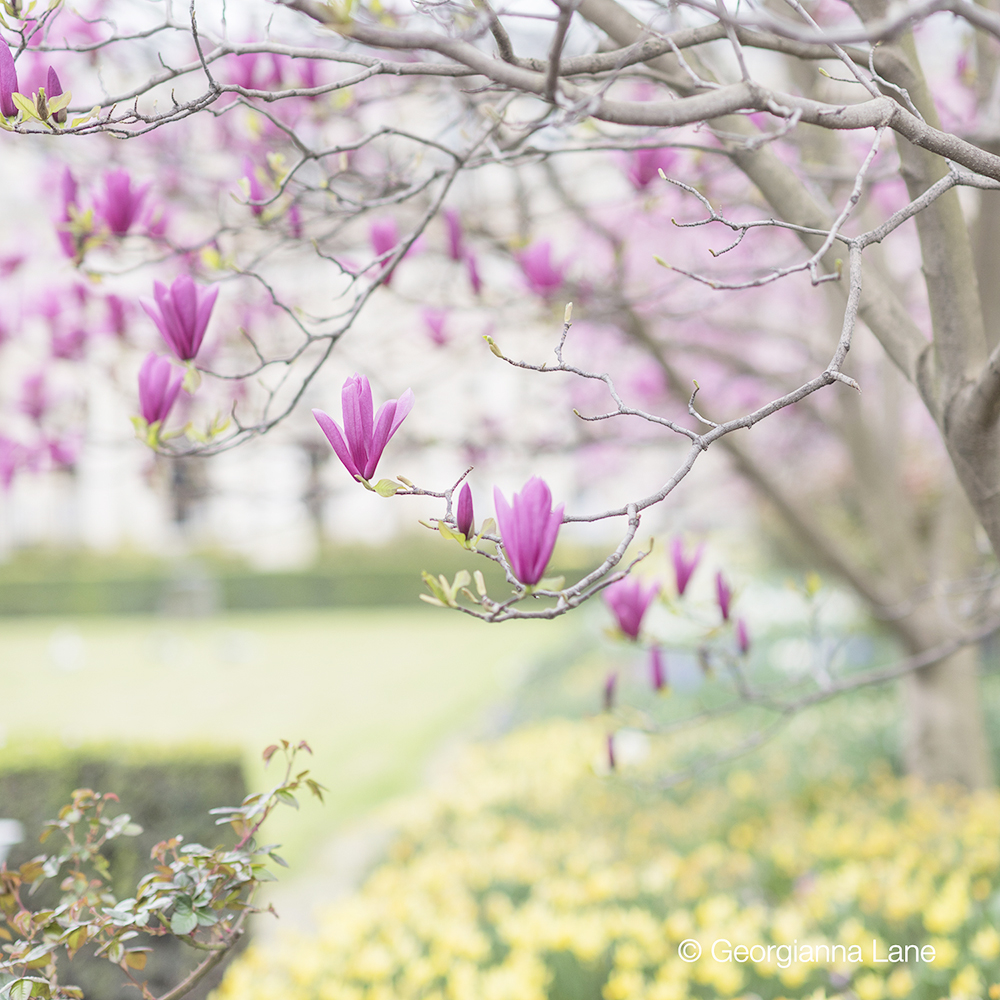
pixel 384 234
pixel 528 528
pixel 69 346
pixel 610 684
pixel 683 566
pixel 12 457
pixel 117 316
pixel 249 70
pixel 182 314
pixel 474 279
pixel 543 276
pixel 309 73
pixel 8 81
pixel 628 600
pixel 159 383
pixel 657 669
pixel 644 166
pixel 366 433
pixel 434 320
pixel 10 263
pixel 723 594
pixel 68 187
pixel 34 396
pixel 155 221
pixel 453 223
pixel 53 88
pixel 464 515
pixel 63 452
pixel 742 636
pixel 295 222
pixel 257 192
pixel 121 204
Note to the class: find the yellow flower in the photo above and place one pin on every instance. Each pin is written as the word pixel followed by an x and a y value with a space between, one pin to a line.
pixel 951 907
pixel 900 984
pixel 986 944
pixel 945 953
pixel 869 986
pixel 967 983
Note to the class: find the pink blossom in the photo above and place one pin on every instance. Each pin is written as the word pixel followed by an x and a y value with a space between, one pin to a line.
pixel 543 276
pixel 309 73
pixel 628 601
pixel 644 166
pixel 434 320
pixel 12 457
pixel 34 396
pixel 155 221
pixel 723 594
pixel 249 72
pixel 69 346
pixel 69 195
pixel 528 527
pixel 610 684
pixel 473 268
pixel 53 88
pixel 464 514
pixel 683 566
pixel 63 453
pixel 159 384
pixel 384 234
pixel 120 204
pixel 295 222
pixel 742 636
pixel 182 314
pixel 453 223
pixel 257 192
pixel 11 263
pixel 117 316
pixel 8 81
pixel 657 669
pixel 366 433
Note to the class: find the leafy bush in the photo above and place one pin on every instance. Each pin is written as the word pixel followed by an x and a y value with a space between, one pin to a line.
pixel 533 876
pixel 167 792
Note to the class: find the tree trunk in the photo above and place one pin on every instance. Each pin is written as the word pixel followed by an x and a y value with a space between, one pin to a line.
pixel 944 736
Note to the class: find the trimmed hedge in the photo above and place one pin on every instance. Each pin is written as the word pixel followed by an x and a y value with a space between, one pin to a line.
pixel 50 582
pixel 167 792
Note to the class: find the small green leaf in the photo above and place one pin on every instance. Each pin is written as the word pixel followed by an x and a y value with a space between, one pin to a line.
pixel 285 796
pixel 387 488
pixel 136 959
pixel 452 536
pixel 20 989
pixel 183 921
pixel 93 113
pixel 492 345
pixel 26 105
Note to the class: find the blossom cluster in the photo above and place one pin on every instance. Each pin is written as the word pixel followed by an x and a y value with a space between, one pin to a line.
pixel 520 882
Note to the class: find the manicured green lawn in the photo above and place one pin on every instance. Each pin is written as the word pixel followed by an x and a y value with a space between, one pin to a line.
pixel 374 692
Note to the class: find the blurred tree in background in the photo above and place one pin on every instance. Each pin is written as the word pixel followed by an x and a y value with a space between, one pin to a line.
pixel 279 189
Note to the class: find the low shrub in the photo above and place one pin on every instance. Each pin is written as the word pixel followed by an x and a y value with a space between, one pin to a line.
pixel 167 792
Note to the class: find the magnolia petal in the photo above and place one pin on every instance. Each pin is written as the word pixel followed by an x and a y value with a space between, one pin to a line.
pixel 333 434
pixel 353 407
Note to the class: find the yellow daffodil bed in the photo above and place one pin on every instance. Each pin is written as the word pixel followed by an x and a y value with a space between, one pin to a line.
pixel 532 875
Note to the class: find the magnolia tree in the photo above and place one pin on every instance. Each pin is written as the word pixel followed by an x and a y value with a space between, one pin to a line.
pixel 713 187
